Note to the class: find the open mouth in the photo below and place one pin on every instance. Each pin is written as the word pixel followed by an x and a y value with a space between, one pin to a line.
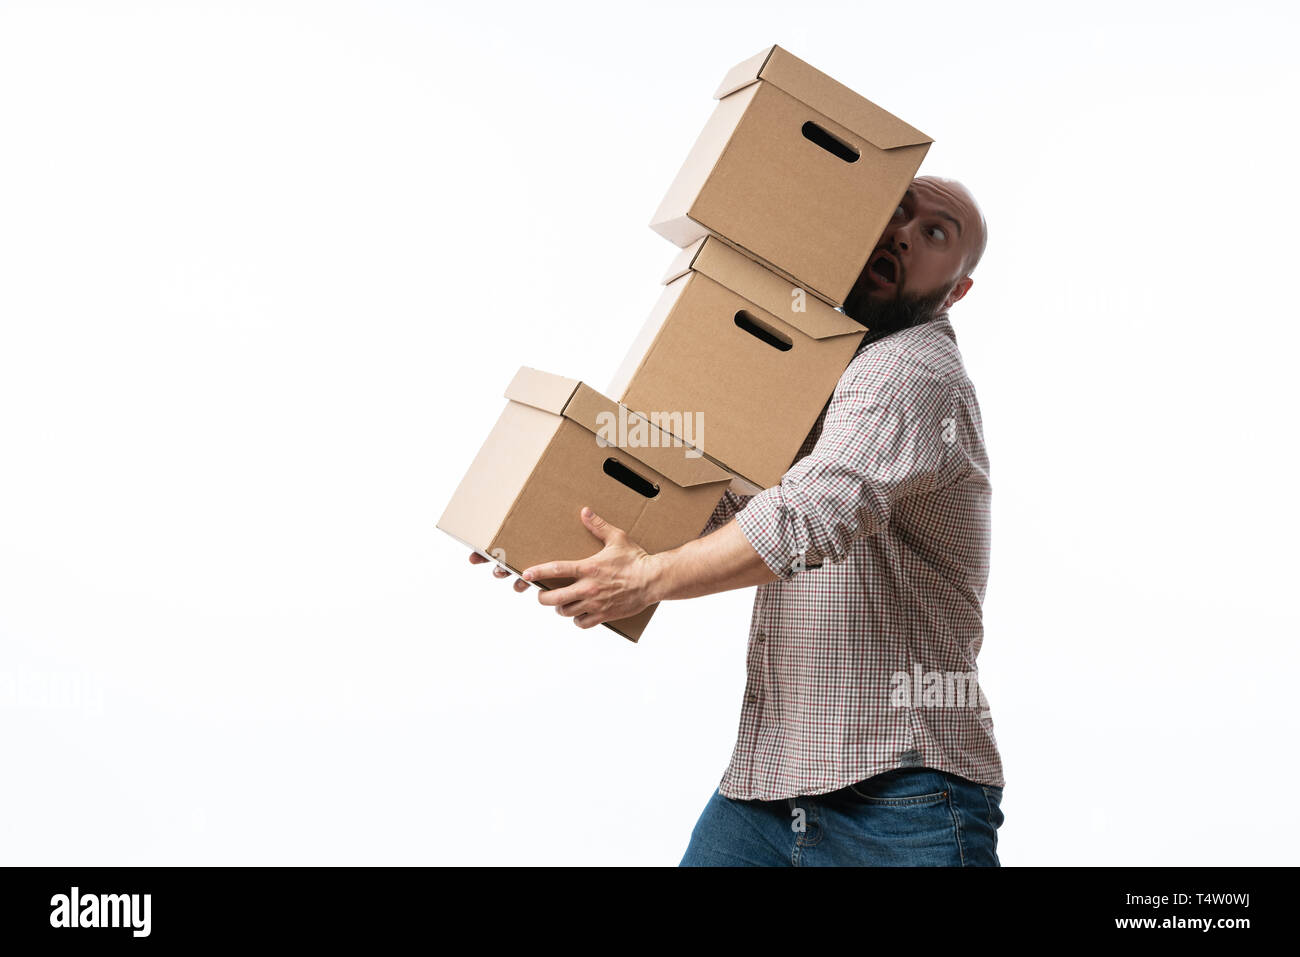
pixel 884 269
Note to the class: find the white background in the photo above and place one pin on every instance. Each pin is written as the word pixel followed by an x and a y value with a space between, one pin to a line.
pixel 266 269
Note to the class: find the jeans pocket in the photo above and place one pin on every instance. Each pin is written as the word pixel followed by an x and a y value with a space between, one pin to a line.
pixel 993 798
pixel 902 787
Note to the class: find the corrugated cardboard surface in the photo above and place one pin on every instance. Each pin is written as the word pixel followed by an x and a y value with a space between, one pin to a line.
pixel 544 522
pixel 756 181
pixel 672 219
pixel 806 83
pixel 744 73
pixel 501 467
pixel 658 449
pixel 755 403
pixel 771 292
pixel 542 390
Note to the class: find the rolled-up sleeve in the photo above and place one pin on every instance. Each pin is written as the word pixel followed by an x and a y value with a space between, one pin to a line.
pixel 882 439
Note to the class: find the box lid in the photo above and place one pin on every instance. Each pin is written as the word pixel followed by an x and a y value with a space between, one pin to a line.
pixel 712 257
pixel 579 402
pixel 825 95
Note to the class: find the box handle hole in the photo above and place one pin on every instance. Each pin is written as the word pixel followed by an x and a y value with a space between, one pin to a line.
pixel 830 142
pixel 617 470
pixel 762 332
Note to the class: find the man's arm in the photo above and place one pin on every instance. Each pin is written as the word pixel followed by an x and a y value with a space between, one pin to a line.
pixel 880 442
pixel 719 561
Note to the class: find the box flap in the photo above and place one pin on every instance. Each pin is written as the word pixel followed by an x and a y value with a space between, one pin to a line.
pixel 541 390
pixel 661 451
pixel 772 293
pixel 825 95
pixel 682 262
pixel 599 415
pixel 743 74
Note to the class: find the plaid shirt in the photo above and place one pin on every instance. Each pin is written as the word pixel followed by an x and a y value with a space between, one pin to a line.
pixel 862 656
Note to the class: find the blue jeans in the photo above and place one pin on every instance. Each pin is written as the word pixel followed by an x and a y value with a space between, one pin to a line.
pixel 916 817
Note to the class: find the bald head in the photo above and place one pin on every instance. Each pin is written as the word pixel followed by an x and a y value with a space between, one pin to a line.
pixel 959 196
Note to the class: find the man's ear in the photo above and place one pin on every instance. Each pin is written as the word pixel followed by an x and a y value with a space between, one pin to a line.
pixel 959 290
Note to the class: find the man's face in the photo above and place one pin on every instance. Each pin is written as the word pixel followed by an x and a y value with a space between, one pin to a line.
pixel 918 269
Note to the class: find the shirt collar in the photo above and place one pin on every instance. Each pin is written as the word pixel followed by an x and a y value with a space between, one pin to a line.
pixel 939 324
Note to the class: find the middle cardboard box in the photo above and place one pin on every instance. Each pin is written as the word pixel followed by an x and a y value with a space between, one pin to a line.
pixel 736 362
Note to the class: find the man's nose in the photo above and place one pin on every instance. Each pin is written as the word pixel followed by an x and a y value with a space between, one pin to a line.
pixel 898 238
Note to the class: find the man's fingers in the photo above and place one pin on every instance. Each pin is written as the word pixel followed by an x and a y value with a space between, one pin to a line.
pixel 552 570
pixel 583 613
pixel 598 526
pixel 574 608
pixel 562 596
pixel 499 571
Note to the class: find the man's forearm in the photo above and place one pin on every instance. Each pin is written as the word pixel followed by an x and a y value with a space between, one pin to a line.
pixel 719 561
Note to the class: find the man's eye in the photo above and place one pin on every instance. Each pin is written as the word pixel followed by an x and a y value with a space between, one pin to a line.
pixel 899 211
pixel 938 233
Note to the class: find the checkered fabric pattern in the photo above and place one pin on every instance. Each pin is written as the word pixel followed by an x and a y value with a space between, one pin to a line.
pixel 861 656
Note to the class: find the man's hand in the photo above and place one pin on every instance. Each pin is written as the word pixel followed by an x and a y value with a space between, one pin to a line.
pixel 476 559
pixel 622 578
pixel 616 582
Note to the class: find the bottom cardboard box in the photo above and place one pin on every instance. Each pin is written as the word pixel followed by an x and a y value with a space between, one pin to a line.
pixel 559 445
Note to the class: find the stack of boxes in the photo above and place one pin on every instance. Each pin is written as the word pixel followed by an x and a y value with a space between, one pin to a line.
pixel 777 210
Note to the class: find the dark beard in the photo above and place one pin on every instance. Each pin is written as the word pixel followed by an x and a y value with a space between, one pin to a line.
pixel 901 312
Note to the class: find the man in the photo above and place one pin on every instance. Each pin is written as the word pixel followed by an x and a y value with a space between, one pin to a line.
pixel 864 738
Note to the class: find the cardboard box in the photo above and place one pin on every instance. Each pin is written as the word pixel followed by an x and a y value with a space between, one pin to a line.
pixel 736 361
pixel 795 169
pixel 560 445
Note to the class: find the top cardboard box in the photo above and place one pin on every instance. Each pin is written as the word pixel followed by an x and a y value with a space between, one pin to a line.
pixel 796 170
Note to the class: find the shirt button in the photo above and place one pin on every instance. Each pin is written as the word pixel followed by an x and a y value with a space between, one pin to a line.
pixel 751 698
pixel 759 635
